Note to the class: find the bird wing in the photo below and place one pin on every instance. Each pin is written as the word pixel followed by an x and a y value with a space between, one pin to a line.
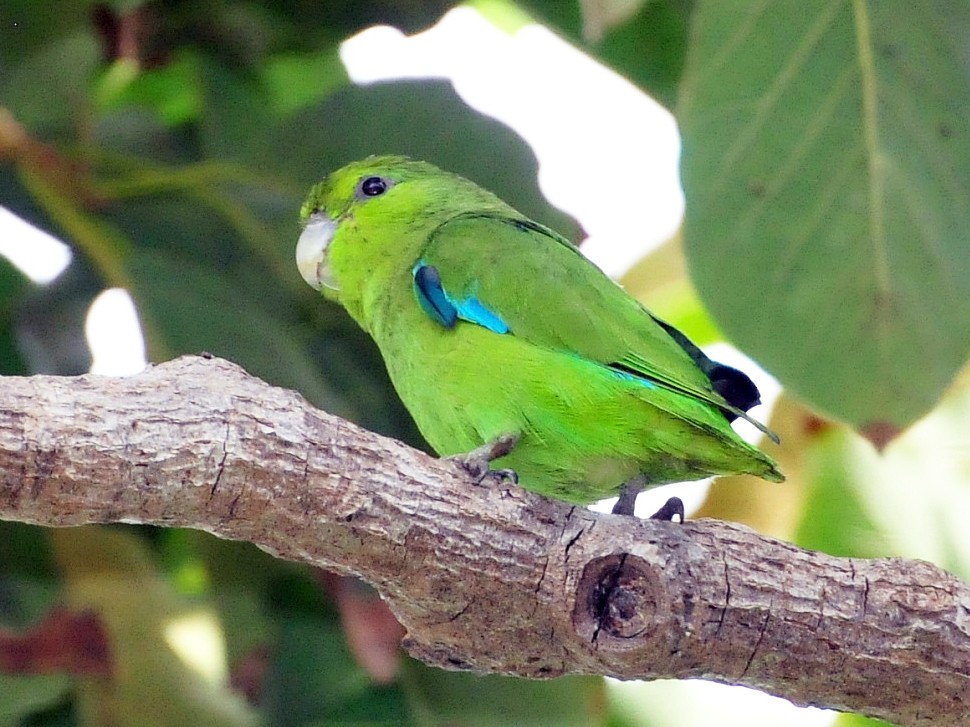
pixel 516 277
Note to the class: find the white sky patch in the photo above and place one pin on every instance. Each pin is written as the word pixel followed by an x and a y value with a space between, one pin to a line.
pixel 608 154
pixel 114 335
pixel 37 254
pixel 692 494
pixel 197 638
pixel 691 702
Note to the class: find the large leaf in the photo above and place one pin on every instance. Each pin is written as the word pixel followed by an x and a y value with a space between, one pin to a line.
pixel 827 170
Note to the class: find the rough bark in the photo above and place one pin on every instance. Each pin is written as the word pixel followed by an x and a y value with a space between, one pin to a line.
pixel 493 579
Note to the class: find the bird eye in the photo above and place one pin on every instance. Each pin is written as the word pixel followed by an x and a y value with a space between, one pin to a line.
pixel 373 187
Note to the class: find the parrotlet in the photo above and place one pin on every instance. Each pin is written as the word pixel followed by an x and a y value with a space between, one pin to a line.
pixel 503 340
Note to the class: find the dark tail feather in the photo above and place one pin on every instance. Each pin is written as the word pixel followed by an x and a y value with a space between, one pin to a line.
pixel 737 389
pixel 734 386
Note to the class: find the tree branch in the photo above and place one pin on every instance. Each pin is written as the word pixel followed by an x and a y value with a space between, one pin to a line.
pixel 490 579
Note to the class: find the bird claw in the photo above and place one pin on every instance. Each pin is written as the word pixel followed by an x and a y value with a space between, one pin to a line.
pixel 674 507
pixel 476 463
pixel 503 476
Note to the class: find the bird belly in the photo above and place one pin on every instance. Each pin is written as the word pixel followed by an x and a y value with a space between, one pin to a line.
pixel 584 428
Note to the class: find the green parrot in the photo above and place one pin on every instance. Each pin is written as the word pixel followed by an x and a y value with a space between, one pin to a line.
pixel 503 341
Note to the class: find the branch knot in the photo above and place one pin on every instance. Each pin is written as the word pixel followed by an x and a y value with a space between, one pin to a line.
pixel 617 601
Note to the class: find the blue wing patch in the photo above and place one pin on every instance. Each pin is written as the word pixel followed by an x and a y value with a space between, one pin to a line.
pixel 444 309
pixel 432 296
pixel 473 311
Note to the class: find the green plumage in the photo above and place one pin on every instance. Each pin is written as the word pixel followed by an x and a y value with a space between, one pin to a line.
pixel 491 324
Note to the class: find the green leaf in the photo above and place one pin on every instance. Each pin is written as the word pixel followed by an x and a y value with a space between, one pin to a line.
pixel 826 166
pixel 834 518
pixel 171 91
pixel 857 720
pixel 237 109
pixel 21 697
pixel 26 27
pixel 199 309
pixel 314 679
pixel 13 286
pixel 476 700
pixel 51 105
pixel 294 81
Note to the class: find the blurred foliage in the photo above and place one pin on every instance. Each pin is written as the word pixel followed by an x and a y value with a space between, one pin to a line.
pixel 170 142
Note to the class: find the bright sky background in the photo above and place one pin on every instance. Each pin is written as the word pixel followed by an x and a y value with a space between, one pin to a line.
pixel 590 130
pixel 40 256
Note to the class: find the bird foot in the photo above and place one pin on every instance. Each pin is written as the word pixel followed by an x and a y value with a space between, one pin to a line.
pixel 627 501
pixel 625 505
pixel 476 463
pixel 674 507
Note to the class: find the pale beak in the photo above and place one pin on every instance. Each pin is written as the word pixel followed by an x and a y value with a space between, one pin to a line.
pixel 311 251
